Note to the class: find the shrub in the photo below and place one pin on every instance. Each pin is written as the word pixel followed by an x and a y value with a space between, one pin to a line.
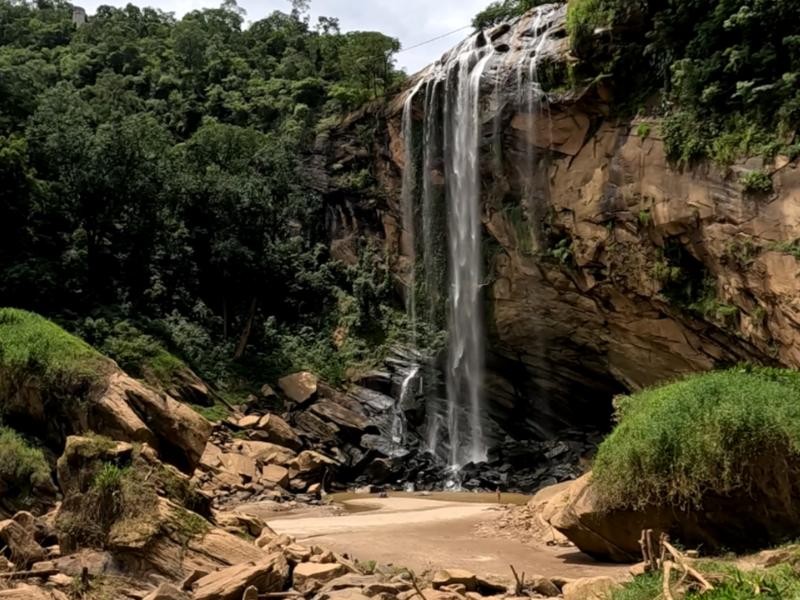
pixel 756 182
pixel 32 345
pixel 22 467
pixel 706 432
pixel 141 355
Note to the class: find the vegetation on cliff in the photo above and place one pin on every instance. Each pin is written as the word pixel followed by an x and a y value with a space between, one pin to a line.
pixel 32 346
pixel 156 172
pixel 23 467
pixel 723 73
pixel 712 433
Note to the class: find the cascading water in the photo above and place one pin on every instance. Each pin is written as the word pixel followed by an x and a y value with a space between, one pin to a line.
pixel 451 204
pixel 465 351
pixel 407 205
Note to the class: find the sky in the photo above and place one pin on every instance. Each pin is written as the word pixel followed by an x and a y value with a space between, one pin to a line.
pixel 411 21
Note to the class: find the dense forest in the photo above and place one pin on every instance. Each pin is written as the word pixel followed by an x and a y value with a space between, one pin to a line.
pixel 154 196
pixel 152 182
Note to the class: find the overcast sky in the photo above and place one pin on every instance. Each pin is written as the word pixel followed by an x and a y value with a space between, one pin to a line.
pixel 411 21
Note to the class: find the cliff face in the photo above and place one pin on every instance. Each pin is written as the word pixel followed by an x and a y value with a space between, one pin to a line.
pixel 608 268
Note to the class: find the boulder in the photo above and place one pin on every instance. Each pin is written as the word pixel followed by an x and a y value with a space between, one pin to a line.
pixel 309 577
pixel 271 428
pixel 591 588
pixel 444 578
pixel 248 422
pixel 310 461
pixel 275 474
pixel 299 387
pixel 169 425
pixel 543 586
pixel 20 544
pixel 166 591
pixel 239 464
pixel 83 457
pixel 601 534
pixel 268 575
pixel 343 417
pixel 211 458
pixel 264 452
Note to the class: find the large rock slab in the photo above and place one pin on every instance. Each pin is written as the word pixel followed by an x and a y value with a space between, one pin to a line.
pixel 264 452
pixel 268 575
pixel 309 577
pixel 272 428
pixel 299 387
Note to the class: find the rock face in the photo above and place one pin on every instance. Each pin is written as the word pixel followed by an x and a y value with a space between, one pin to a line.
pixel 610 269
pixel 761 516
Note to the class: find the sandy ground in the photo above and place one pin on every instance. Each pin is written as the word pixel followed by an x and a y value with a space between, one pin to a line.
pixel 424 534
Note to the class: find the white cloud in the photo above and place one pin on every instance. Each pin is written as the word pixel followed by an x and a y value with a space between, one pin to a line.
pixel 411 21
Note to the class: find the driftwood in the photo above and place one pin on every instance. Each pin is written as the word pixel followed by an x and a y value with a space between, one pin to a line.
pixel 519 585
pixel 416 586
pixel 667 558
pixel 43 573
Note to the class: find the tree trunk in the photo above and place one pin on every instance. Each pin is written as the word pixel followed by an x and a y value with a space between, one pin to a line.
pixel 248 327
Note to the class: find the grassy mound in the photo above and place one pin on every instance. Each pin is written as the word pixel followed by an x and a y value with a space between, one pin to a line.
pixel 31 345
pixel 715 432
pixel 23 468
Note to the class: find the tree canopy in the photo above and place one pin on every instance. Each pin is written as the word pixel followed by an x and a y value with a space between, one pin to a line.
pixel 153 166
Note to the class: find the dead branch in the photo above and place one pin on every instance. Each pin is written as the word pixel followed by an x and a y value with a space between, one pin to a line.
pixel 43 573
pixel 520 582
pixel 416 586
pixel 666 591
pixel 684 563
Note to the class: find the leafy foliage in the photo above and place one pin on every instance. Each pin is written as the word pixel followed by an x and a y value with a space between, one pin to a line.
pixel 756 182
pixel 154 172
pixel 726 71
pixel 502 10
pixel 707 432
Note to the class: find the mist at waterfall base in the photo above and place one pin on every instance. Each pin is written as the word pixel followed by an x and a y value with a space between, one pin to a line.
pixel 454 444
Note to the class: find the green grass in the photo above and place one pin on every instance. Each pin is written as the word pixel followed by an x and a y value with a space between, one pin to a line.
pixel 777 583
pixel 22 467
pixel 713 431
pixel 141 355
pixel 33 346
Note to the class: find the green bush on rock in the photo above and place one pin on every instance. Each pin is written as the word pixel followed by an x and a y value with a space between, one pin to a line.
pixel 715 433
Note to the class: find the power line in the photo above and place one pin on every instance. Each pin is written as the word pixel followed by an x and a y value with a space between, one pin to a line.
pixel 444 35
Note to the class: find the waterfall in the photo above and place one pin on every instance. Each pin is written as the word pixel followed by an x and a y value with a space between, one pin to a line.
pixel 450 216
pixel 465 349
pixel 408 192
